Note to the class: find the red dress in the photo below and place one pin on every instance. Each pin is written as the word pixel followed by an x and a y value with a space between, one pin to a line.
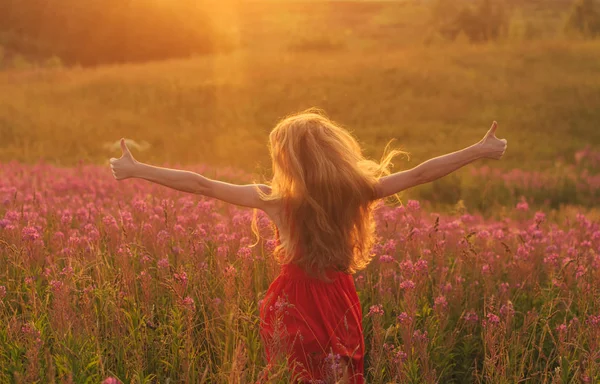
pixel 315 325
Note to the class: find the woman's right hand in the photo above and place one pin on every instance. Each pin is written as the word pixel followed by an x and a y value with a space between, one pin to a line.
pixel 125 166
pixel 492 147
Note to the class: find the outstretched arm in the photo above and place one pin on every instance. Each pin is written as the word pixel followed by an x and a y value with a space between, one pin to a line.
pixel 186 181
pixel 489 147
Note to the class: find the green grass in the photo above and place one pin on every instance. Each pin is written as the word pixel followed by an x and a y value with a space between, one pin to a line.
pixel 364 63
pixel 219 109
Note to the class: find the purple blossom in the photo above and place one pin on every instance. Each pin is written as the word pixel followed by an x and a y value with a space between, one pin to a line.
pixel 386 259
pixel 163 263
pixel 471 317
pixel 376 310
pixel 30 234
pixel 407 285
pixel 440 303
pixel 404 318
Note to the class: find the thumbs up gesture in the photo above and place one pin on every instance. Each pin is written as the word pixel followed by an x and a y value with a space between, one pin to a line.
pixel 491 146
pixel 123 167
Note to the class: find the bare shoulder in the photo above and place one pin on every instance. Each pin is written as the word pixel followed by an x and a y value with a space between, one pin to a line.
pixel 272 208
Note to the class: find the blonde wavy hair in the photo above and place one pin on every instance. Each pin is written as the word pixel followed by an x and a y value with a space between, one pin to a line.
pixel 328 190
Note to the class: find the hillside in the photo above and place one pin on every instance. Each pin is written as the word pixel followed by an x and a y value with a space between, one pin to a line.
pixel 213 109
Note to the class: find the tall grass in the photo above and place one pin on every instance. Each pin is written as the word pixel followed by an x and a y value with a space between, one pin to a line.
pixel 134 282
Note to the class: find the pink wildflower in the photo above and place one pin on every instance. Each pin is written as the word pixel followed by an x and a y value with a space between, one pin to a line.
pixel 386 259
pixel 376 310
pixel 30 234
pixel 163 263
pixel 407 285
pixel 440 303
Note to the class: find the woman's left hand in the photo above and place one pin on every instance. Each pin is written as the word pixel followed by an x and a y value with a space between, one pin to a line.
pixel 125 166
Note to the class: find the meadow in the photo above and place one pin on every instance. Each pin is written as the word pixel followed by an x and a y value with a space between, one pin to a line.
pixel 489 275
pixel 134 282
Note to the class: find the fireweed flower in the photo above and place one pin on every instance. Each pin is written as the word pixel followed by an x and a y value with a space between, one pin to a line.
pixel 110 222
pixel 199 232
pixel 270 245
pixel 92 232
pixel 139 206
pixel 163 263
pixel 359 280
pixel 67 271
pixel 421 266
pixel 178 229
pixel 467 218
pixel 30 234
pixel 523 206
pixel 593 321
pixel 124 251
pixel 245 253
pixel 333 363
pixel 561 328
pixel 11 216
pixel 223 238
pixel 111 380
pixel 385 259
pixel 147 228
pixel 440 303
pixel 407 267
pixel 245 241
pixel 552 259
pixel 418 335
pixel 229 271
pixel 400 356
pixel 539 217
pixel 390 246
pixel 56 285
pixel 188 302
pixel 181 278
pixel 220 228
pixel 376 310
pixel 404 318
pixel 507 310
pixel 471 317
pixel 162 237
pixel 222 251
pixel 66 218
pixel 491 320
pixel 483 235
pixel 447 288
pixel 407 285
pixel 413 205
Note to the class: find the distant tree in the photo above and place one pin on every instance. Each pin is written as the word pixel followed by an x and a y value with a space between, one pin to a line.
pixel 584 18
pixel 107 31
pixel 480 20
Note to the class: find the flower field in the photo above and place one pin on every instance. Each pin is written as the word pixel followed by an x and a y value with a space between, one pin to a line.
pixel 133 282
